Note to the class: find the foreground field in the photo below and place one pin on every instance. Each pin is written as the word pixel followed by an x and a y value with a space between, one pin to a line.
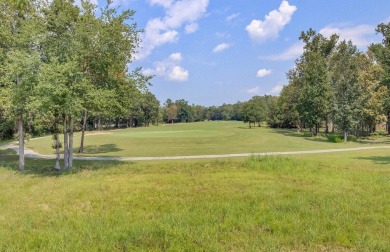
pixel 195 139
pixel 337 202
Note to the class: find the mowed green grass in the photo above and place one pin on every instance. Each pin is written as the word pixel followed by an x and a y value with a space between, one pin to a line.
pixel 327 202
pixel 186 139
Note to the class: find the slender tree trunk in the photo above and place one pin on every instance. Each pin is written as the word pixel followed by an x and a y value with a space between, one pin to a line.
pixel 332 127
pixel 66 144
pixel 345 136
pixel 326 127
pixel 83 131
pixel 57 139
pixel 388 122
pixel 21 142
pixel 70 162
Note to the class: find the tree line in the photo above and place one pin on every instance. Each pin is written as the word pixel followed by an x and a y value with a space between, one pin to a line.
pixel 335 86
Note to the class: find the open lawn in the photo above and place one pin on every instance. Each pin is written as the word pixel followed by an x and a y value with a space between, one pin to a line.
pixel 327 202
pixel 195 139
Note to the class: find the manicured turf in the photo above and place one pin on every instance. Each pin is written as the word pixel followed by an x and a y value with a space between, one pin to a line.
pixel 194 139
pixel 327 202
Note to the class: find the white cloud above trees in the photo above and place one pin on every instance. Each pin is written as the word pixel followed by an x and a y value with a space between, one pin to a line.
pixel 293 52
pixel 170 68
pixel 276 89
pixel 263 72
pixel 361 35
pixel 273 23
pixel 253 91
pixel 164 30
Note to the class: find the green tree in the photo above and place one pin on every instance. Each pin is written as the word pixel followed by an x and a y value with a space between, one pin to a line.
pixel 254 111
pixel 19 58
pixel 347 92
pixel 382 55
pixel 312 76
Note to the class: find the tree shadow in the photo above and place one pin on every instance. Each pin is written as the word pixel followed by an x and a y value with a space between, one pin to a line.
pixel 98 149
pixel 377 159
pixel 381 141
pixel 246 128
pixel 45 167
pixel 290 132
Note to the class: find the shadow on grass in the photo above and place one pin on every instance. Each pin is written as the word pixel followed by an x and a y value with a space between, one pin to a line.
pixel 289 132
pixel 7 152
pixel 98 149
pixel 45 167
pixel 377 159
pixel 367 140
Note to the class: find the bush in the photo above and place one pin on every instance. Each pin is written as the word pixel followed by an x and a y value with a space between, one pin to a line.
pixel 335 138
pixel 352 139
pixel 340 138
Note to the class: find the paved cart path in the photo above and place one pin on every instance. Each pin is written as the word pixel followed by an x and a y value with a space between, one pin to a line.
pixel 32 154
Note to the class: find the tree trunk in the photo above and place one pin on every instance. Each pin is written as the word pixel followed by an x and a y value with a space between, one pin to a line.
pixel 345 136
pixel 57 139
pixel 21 142
pixel 388 122
pixel 70 162
pixel 332 127
pixel 326 127
pixel 66 144
pixel 83 131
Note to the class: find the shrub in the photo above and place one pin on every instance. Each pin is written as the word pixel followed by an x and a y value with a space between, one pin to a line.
pixel 335 138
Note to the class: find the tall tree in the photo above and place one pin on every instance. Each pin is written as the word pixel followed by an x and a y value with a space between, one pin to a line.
pixel 382 54
pixel 20 59
pixel 312 76
pixel 347 92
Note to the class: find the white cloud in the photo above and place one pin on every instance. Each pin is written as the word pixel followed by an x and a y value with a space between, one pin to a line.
pixel 290 53
pixel 191 28
pixel 233 16
pixel 178 74
pixel 276 90
pixel 169 68
pixel 163 30
pixel 272 24
pixel 175 57
pixel 221 47
pixel 164 3
pixel 361 35
pixel 255 90
pixel 263 72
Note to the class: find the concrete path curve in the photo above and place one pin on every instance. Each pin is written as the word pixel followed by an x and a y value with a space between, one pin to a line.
pixel 32 154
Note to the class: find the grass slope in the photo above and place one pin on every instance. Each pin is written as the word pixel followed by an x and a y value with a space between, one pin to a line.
pixel 333 202
pixel 193 139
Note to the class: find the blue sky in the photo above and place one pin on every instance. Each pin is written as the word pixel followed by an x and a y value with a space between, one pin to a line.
pixel 211 52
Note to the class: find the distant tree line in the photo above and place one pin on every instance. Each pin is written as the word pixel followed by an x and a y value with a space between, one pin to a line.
pixel 255 111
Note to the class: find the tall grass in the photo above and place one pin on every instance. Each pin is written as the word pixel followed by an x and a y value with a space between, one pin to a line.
pixel 256 204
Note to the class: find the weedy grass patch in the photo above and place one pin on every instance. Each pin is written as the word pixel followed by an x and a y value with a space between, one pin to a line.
pixel 333 202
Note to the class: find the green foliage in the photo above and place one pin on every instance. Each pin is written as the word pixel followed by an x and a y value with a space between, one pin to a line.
pixel 335 138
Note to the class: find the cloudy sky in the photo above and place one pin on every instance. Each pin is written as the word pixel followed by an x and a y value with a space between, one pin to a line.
pixel 211 52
